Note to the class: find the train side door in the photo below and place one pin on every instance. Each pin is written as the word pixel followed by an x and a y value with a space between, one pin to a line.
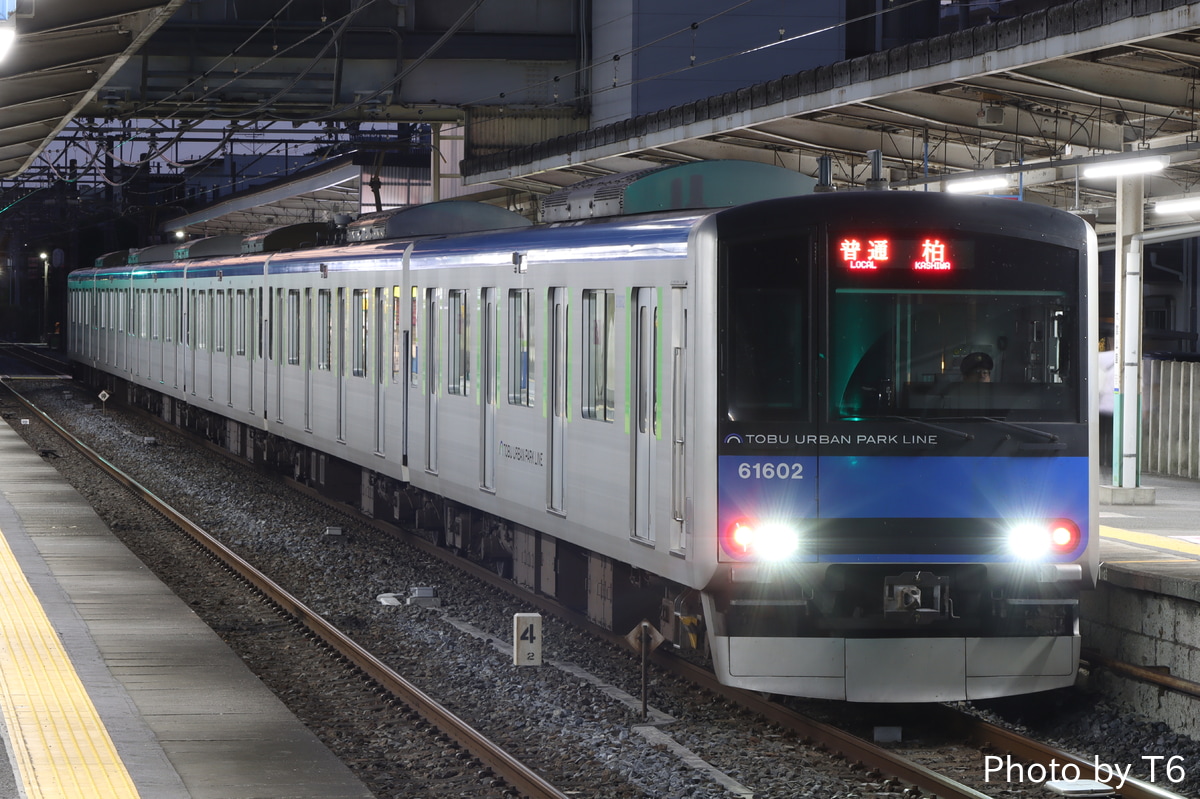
pixel 166 330
pixel 176 334
pixel 432 353
pixel 413 370
pixel 154 297
pixel 193 318
pixel 208 338
pixel 340 366
pixel 308 358
pixel 404 369
pixel 278 351
pixel 228 318
pixel 380 325
pixel 558 398
pixel 260 308
pixel 679 408
pixel 645 403
pixel 487 408
pixel 180 301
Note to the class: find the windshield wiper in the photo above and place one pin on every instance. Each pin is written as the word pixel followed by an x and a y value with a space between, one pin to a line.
pixel 956 433
pixel 1003 423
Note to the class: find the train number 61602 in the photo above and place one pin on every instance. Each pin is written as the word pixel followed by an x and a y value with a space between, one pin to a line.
pixel 771 471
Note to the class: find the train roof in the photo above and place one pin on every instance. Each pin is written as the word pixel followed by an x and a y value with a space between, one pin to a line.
pixel 698 185
pixel 649 236
pixel 618 239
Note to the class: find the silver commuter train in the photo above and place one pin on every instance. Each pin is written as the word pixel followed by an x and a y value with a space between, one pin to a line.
pixel 746 424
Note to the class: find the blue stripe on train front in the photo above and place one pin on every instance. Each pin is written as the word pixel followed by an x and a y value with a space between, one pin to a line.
pixel 883 487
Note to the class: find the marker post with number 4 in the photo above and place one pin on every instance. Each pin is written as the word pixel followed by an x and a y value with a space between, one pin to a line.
pixel 527 639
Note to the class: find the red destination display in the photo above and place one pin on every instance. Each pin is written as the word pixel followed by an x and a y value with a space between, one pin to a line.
pixel 870 253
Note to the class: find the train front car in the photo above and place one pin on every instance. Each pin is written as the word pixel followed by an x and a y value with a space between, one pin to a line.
pixel 904 490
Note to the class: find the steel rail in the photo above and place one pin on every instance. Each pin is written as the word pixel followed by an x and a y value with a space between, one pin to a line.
pixel 504 765
pixel 55 368
pixel 1029 751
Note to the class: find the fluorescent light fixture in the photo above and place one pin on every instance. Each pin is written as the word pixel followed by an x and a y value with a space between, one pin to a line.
pixel 1127 166
pixel 8 36
pixel 1182 206
pixel 985 183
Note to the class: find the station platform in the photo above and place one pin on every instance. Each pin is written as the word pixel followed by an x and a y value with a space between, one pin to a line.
pixel 1145 611
pixel 110 686
pixel 1155 547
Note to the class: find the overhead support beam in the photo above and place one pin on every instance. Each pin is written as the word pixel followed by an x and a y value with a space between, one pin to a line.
pixel 1162 92
pixel 1007 46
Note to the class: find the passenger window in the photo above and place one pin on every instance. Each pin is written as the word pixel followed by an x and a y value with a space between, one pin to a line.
pixel 324 329
pixel 362 313
pixel 520 347
pixel 459 369
pixel 293 326
pixel 599 355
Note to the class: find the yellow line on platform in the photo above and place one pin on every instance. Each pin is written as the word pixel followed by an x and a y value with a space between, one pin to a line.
pixel 1158 560
pixel 1150 540
pixel 60 745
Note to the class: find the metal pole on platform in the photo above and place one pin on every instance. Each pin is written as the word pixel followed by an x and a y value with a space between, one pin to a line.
pixel 1127 329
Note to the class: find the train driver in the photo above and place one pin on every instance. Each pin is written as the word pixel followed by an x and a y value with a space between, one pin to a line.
pixel 976 368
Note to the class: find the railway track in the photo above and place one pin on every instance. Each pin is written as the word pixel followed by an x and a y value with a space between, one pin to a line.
pixel 504 765
pixel 864 755
pixel 40 366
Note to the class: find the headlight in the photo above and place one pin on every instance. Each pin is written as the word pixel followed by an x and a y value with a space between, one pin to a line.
pixel 764 541
pixel 1036 540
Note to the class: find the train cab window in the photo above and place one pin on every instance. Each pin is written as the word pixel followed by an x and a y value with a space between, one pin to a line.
pixel 599 355
pixel 992 332
pixel 458 371
pixel 765 330
pixel 521 381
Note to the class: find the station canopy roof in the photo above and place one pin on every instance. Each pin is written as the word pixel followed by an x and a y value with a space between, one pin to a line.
pixel 1034 99
pixel 63 55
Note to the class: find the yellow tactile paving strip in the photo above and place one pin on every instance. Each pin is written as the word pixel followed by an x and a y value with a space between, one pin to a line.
pixel 1151 540
pixel 60 746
